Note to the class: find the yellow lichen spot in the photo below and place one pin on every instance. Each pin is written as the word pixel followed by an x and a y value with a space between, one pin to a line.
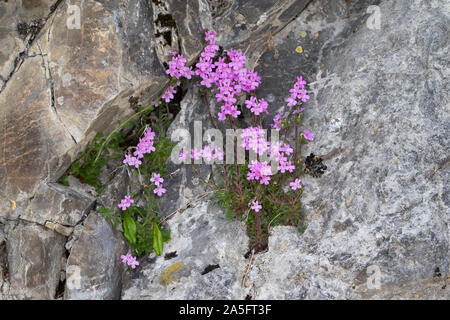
pixel 303 34
pixel 167 273
pixel 299 49
pixel 316 34
pixel 13 205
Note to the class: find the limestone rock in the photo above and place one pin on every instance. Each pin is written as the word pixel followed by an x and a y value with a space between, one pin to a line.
pixel 244 24
pixel 59 207
pixel 379 111
pixel 20 21
pixel 94 268
pixel 203 260
pixel 34 259
pixel 73 83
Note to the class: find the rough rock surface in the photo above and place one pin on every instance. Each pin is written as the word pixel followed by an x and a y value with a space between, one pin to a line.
pixel 245 24
pixel 58 207
pixel 203 260
pixel 20 20
pixel 380 113
pixel 378 220
pixel 94 269
pixel 34 260
pixel 72 83
pixel 3 262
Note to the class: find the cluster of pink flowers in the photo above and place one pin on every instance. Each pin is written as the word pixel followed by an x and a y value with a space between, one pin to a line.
pixel 229 75
pixel 257 106
pixel 259 171
pixel 178 68
pixel 145 146
pixel 277 122
pixel 157 180
pixel 125 203
pixel 208 153
pixel 254 138
pixel 280 153
pixel 298 93
pixel 169 94
pixel 129 260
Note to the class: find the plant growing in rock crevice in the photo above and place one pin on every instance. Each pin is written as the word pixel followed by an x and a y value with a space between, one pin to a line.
pixel 263 191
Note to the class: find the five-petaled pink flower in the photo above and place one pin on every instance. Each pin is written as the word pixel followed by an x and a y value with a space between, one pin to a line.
pixel 156 179
pixel 256 206
pixel 159 190
pixel 296 184
pixel 308 135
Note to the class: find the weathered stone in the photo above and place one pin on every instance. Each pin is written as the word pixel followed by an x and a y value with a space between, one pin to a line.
pixel 94 269
pixel 115 190
pixel 166 33
pixel 34 259
pixel 73 83
pixel 379 111
pixel 58 207
pixel 3 262
pixel 19 23
pixel 245 24
pixel 207 259
pixel 182 184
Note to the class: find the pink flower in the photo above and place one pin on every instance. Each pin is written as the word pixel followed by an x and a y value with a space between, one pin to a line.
pixel 125 258
pixel 196 154
pixel 159 190
pixel 132 161
pixel 298 93
pixel 277 122
pixel 296 184
pixel 129 260
pixel 256 206
pixel 259 171
pixel 308 135
pixel 156 179
pixel 168 94
pixel 125 203
pixel 182 156
pixel 132 262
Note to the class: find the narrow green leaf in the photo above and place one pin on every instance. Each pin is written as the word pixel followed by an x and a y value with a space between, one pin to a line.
pixel 129 229
pixel 157 240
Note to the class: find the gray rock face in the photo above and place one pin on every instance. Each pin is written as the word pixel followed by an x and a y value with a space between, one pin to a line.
pixel 94 269
pixel 245 24
pixel 19 22
pixel 58 207
pixel 203 260
pixel 72 83
pixel 34 259
pixel 379 110
pixel 3 262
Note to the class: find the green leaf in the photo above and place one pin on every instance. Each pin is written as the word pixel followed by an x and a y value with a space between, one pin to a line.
pixel 157 240
pixel 129 229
